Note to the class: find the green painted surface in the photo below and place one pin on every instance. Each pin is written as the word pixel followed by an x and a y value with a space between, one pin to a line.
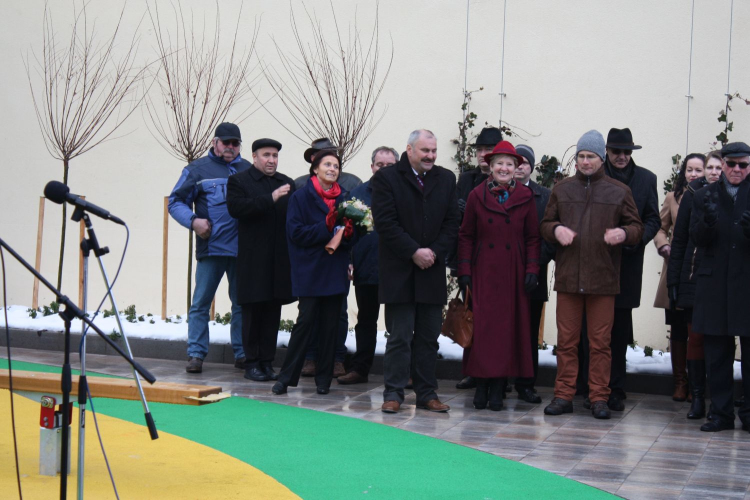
pixel 322 456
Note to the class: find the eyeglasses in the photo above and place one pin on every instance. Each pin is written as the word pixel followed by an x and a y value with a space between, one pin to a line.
pixel 618 152
pixel 231 142
pixel 742 164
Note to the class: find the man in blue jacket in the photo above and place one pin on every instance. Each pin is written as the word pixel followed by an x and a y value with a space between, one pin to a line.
pixel 203 186
pixel 365 263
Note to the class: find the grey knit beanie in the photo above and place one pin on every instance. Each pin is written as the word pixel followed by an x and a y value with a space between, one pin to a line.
pixel 526 152
pixel 592 141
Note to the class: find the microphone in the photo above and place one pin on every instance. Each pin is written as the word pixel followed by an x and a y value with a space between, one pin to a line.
pixel 59 193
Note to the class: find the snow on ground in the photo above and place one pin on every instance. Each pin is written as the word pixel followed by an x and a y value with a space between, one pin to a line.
pixel 18 317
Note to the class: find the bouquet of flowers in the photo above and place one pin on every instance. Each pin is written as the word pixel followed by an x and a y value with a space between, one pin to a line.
pixel 350 215
pixel 357 212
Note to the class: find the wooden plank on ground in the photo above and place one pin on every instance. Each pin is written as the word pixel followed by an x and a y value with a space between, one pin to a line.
pixel 102 387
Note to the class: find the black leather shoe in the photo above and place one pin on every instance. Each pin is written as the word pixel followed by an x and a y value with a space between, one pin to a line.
pixel 600 410
pixel 746 427
pixel 256 374
pixel 279 388
pixel 716 425
pixel 322 389
pixel 268 370
pixel 467 383
pixel 529 395
pixel 615 403
pixel 587 403
pixel 558 407
pixel 240 363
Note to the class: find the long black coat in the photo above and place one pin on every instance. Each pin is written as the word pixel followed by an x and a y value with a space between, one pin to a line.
pixel 406 219
pixel 721 305
pixel 263 269
pixel 684 258
pixel 643 187
pixel 541 197
pixel 467 181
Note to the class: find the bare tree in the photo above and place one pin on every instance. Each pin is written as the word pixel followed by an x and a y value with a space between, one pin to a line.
pixel 197 87
pixel 81 92
pixel 331 90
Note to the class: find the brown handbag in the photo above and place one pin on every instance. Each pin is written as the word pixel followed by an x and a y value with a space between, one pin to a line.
pixel 459 320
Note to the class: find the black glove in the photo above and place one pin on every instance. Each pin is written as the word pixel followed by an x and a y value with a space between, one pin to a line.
pixel 464 283
pixel 672 297
pixel 711 214
pixel 745 223
pixel 461 205
pixel 530 282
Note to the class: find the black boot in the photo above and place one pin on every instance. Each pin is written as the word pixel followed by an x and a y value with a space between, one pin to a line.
pixel 697 376
pixel 497 390
pixel 480 396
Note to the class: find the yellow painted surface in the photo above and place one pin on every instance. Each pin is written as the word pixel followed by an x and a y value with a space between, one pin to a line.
pixel 169 467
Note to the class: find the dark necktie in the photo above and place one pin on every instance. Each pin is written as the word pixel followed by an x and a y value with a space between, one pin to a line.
pixel 420 180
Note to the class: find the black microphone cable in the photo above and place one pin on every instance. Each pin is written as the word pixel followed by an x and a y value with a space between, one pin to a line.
pixel 10 376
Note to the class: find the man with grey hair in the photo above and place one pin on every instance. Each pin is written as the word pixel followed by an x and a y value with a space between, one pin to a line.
pixel 720 227
pixel 415 209
pixel 365 277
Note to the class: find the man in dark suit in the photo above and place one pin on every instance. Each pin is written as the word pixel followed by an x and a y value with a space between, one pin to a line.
pixel 365 274
pixel 720 225
pixel 620 166
pixel 258 199
pixel 415 211
pixel 525 385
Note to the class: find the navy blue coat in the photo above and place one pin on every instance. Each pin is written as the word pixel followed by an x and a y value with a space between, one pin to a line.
pixel 365 252
pixel 315 273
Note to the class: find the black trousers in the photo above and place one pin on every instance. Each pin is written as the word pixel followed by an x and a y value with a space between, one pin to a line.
pixel 343 332
pixel 260 329
pixel 315 313
pixel 535 308
pixel 366 330
pixel 411 349
pixel 720 370
pixel 622 335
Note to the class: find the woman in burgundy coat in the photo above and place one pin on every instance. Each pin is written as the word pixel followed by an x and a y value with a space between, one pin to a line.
pixel 498 260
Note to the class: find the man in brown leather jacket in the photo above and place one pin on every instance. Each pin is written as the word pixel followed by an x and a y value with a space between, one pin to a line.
pixel 589 217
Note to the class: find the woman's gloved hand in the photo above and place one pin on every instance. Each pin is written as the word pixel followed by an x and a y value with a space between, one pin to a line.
pixel 530 282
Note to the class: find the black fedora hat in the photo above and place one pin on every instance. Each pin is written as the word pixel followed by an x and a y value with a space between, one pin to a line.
pixel 319 145
pixel 621 139
pixel 489 136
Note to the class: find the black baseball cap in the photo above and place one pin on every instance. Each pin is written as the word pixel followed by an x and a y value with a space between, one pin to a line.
pixel 227 131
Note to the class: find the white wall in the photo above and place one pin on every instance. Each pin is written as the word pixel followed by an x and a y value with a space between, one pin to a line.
pixel 569 67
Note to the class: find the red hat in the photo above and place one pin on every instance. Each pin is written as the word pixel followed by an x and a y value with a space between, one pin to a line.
pixel 504 148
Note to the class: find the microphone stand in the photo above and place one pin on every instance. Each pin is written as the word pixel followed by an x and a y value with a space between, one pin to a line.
pixel 68 314
pixel 88 245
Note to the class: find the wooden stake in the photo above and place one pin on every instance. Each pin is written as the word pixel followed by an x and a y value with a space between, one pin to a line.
pixel 213 309
pixel 81 235
pixel 38 261
pixel 164 260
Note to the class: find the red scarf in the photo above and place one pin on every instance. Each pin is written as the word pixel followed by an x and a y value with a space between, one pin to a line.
pixel 329 197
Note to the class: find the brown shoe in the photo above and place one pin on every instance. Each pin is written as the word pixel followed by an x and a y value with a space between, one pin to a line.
pixel 352 378
pixel 195 365
pixel 308 369
pixel 338 369
pixel 434 405
pixel 390 407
